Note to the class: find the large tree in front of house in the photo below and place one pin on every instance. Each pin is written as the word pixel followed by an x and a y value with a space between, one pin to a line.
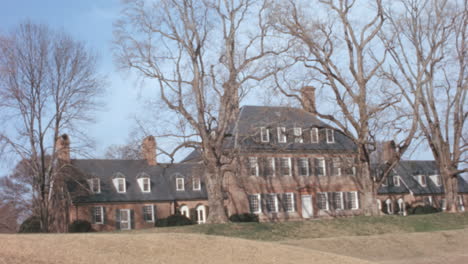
pixel 341 55
pixel 429 50
pixel 48 85
pixel 201 56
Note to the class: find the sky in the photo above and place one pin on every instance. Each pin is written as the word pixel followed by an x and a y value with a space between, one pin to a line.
pixel 91 21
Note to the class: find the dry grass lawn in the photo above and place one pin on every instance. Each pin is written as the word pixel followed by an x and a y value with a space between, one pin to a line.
pixel 154 248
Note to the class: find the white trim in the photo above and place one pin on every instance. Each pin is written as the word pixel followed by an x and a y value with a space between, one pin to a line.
pixel 434 179
pixel 184 210
pixel 328 130
pixel 201 211
pixel 327 205
pixel 275 196
pixel 307 167
pixel 152 212
pixel 117 182
pixel 141 183
pixel 314 135
pixel 259 205
pixel 91 185
pixel 101 222
pixel 251 160
pixel 129 222
pixel 460 203
pixel 297 131
pixel 264 131
pixel 182 184
pixel 334 162
pixel 389 204
pixel 293 202
pixel 356 201
pixel 282 138
pixel 396 179
pixel 271 160
pixel 401 207
pixel 289 165
pixel 324 166
pixel 419 179
pixel 196 179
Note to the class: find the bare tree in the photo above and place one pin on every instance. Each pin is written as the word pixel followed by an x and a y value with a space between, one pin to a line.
pixel 343 57
pixel 203 56
pixel 48 84
pixel 429 50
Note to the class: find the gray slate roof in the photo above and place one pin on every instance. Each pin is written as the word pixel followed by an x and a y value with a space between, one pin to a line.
pixel 162 176
pixel 406 169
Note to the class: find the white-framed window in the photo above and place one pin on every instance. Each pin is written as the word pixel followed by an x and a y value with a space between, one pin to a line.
pixel 298 135
pixel 460 204
pixel 320 169
pixel 201 214
pixel 185 211
pixel 196 183
pixel 336 167
pixel 269 168
pixel 436 179
pixel 272 202
pixel 148 213
pixel 253 166
pixel 180 185
pixel 145 184
pixel 98 215
pixel 285 166
pixel 314 135
pixel 443 204
pixel 338 201
pixel 421 179
pixel 303 167
pixel 322 201
pixel 389 204
pixel 396 180
pixel 288 202
pixel 353 200
pixel 401 207
pixel 254 203
pixel 125 219
pixel 330 135
pixel 282 135
pixel 95 185
pixel 120 185
pixel 428 200
pixel 264 134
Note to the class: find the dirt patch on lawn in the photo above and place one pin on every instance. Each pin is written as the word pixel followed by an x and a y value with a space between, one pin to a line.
pixel 431 247
pixel 154 248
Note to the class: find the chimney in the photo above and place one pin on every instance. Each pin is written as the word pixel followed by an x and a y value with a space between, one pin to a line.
pixel 308 99
pixel 389 149
pixel 148 150
pixel 63 148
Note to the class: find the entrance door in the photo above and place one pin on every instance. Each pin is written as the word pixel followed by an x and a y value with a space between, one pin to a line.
pixel 125 221
pixel 307 209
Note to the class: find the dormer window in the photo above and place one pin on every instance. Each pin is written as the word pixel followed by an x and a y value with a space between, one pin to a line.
pixel 298 135
pixel 180 185
pixel 282 135
pixel 330 135
pixel 145 184
pixel 95 185
pixel 396 180
pixel 264 134
pixel 314 136
pixel 421 179
pixel 196 184
pixel 436 180
pixel 120 185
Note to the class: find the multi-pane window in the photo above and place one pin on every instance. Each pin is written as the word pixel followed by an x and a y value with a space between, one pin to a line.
pixel 146 184
pixel 253 166
pixel 269 168
pixel 320 167
pixel 461 206
pixel 396 180
pixel 121 188
pixel 148 213
pixel 94 185
pixel 336 166
pixel 272 202
pixel 338 200
pixel 421 179
pixel 264 134
pixel 303 167
pixel 349 167
pixel 330 135
pixel 436 179
pixel 352 200
pixel 98 215
pixel 288 202
pixel 314 135
pixel 180 186
pixel 298 135
pixel 285 166
pixel 254 203
pixel 196 185
pixel 282 135
pixel 322 200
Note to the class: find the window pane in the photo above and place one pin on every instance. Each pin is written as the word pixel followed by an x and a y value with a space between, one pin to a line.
pixel 337 200
pixel 271 203
pixel 288 202
pixel 253 166
pixel 254 203
pixel 314 135
pixel 304 167
pixel 322 201
pixel 285 167
pixel 269 167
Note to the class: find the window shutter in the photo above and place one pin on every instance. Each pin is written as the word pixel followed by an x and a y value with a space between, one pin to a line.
pixel 104 215
pixel 261 165
pixel 329 166
pixel 193 215
pixel 358 200
pixel 345 200
pixel 280 202
pixel 145 218
pixel 155 213
pixel 263 202
pixel 331 201
pixel 117 219
pixel 91 213
pixel 132 219
pixel 294 202
pixel 207 211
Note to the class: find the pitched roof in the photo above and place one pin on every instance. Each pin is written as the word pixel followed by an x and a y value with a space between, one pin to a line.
pixel 163 180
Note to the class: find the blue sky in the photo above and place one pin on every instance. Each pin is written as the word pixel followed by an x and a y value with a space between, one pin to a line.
pixel 91 21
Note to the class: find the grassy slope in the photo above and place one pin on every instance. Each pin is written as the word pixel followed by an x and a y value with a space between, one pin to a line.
pixel 353 226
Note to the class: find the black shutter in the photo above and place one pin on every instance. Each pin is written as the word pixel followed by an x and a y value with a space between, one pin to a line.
pixel 144 215
pixel 358 200
pixel 132 219
pixel 261 165
pixel 331 204
pixel 345 200
pixel 91 213
pixel 104 215
pixel 328 166
pixel 117 219
pixel 281 207
pixel 294 202
pixel 263 202
pixel 155 215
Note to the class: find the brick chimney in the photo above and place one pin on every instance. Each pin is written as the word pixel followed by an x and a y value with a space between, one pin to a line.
pixel 389 149
pixel 63 148
pixel 148 150
pixel 308 99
